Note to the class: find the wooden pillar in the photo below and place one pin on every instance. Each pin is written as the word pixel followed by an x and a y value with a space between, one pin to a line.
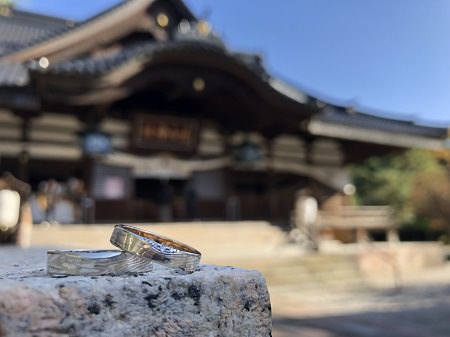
pixel 231 202
pixel 87 203
pixel 271 182
pixel 91 119
pixel 392 235
pixel 24 156
pixel 308 150
pixel 23 159
pixel 362 235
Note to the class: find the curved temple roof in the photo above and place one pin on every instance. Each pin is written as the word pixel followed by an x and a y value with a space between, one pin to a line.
pixel 337 123
pixel 20 30
pixel 26 37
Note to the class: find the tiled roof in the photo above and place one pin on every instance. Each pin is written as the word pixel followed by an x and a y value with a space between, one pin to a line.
pixel 88 66
pixel 13 74
pixel 338 116
pixel 146 51
pixel 19 30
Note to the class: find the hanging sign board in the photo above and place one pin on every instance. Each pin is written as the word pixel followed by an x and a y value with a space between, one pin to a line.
pixel 164 133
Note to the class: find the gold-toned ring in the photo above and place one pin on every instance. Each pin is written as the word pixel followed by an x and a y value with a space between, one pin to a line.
pixel 160 249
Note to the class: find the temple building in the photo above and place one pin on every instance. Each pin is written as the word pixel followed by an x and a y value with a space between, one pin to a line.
pixel 146 104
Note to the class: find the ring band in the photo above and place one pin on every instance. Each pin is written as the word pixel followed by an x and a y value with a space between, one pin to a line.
pixel 95 263
pixel 160 249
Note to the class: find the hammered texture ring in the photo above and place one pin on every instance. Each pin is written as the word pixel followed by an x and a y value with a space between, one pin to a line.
pixel 95 263
pixel 159 249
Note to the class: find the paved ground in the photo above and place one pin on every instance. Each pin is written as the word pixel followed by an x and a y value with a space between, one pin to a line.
pixel 420 308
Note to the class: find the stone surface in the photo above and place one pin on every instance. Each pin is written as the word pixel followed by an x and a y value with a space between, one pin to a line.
pixel 214 301
pixel 381 259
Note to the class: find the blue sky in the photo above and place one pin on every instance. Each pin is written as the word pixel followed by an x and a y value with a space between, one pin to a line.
pixel 390 58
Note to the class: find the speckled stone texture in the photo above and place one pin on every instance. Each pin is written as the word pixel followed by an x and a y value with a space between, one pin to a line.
pixel 214 301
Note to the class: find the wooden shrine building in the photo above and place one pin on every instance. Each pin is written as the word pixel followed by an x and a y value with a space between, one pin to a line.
pixel 148 106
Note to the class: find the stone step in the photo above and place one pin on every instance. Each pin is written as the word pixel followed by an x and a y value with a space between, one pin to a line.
pixel 310 271
pixel 303 263
pixel 299 273
pixel 317 289
pixel 213 239
pixel 290 277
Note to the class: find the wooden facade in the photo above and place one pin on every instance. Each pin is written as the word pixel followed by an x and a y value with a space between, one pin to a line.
pixel 148 106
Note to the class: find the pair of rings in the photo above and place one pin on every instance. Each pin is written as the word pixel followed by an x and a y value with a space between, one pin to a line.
pixel 138 249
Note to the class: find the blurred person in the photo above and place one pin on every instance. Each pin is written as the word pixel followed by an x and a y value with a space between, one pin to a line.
pixel 305 229
pixel 76 193
pixel 233 208
pixel 38 204
pixel 63 211
pixel 52 191
pixel 190 201
pixel 165 201
pixel 59 203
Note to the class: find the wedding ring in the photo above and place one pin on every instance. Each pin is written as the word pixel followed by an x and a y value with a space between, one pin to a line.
pixel 95 263
pixel 158 248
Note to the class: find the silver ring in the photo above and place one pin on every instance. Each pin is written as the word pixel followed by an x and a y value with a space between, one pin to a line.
pixel 95 263
pixel 159 249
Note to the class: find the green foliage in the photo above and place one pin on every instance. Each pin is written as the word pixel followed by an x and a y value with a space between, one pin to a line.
pixel 5 7
pixel 391 180
pixel 7 3
pixel 431 198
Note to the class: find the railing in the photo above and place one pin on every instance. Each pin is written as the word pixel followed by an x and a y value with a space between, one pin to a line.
pixel 354 217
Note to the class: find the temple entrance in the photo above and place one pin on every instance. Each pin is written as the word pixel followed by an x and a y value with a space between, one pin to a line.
pixel 167 195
